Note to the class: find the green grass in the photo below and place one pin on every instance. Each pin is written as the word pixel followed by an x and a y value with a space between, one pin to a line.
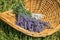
pixel 8 33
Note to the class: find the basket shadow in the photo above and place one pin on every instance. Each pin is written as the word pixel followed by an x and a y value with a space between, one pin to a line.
pixel 9 30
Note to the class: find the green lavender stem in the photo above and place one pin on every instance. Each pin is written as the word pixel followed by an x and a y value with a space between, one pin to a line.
pixel 21 9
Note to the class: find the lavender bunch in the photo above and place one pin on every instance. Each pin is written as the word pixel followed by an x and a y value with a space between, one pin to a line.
pixel 25 20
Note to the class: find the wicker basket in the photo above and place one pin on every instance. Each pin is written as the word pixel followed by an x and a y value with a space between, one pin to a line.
pixel 58 1
pixel 50 8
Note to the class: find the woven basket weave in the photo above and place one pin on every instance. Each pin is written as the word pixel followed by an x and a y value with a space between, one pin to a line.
pixel 51 10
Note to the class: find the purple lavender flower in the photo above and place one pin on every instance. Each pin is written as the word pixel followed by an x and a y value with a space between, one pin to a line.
pixel 31 24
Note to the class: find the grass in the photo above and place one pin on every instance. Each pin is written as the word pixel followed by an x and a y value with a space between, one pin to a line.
pixel 8 33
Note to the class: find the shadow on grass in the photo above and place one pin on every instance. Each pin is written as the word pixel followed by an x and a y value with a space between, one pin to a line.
pixel 14 34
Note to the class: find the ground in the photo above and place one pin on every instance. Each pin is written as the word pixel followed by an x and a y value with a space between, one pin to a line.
pixel 8 33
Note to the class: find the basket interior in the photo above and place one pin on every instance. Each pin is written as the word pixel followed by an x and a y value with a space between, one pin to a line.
pixel 50 8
